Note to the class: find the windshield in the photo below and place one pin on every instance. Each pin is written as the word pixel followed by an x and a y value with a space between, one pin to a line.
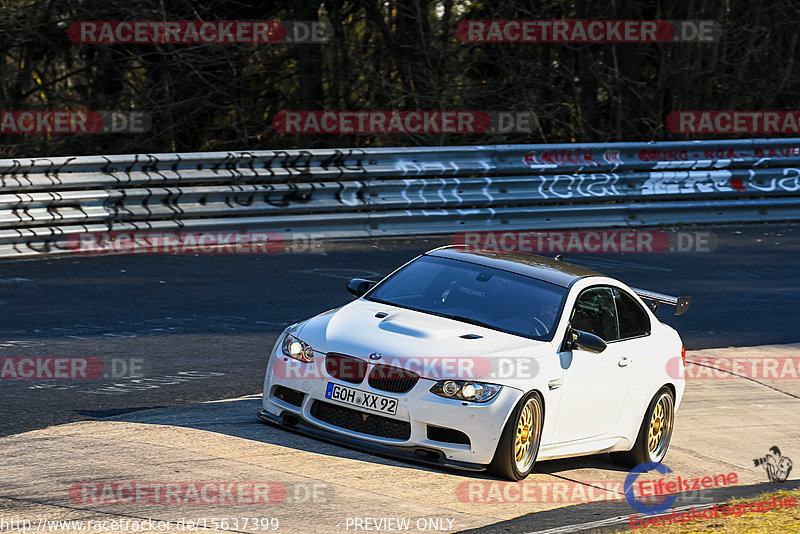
pixel 475 294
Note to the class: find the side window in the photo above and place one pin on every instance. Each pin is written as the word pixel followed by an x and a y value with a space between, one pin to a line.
pixel 633 320
pixel 595 313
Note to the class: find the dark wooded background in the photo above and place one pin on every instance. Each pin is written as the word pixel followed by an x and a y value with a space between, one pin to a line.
pixel 387 55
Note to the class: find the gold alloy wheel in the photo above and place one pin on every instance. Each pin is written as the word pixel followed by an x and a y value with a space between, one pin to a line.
pixel 660 428
pixel 526 439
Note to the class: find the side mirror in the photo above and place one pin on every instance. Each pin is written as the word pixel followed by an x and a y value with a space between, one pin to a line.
pixel 585 341
pixel 358 286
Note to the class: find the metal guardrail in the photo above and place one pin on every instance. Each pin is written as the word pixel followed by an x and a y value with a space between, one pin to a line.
pixel 396 191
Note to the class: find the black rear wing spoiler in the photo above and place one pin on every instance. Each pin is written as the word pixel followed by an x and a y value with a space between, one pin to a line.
pixel 681 303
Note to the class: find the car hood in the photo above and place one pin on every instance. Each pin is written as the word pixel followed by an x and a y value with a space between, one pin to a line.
pixel 430 345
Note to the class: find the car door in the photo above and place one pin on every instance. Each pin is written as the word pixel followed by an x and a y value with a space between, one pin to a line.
pixel 646 367
pixel 594 386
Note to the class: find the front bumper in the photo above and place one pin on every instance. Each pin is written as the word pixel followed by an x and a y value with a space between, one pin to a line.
pixel 410 454
pixel 418 410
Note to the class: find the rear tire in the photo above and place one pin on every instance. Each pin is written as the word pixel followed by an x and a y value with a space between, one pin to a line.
pixel 654 435
pixel 519 443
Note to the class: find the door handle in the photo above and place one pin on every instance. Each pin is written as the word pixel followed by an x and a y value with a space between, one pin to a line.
pixel 624 361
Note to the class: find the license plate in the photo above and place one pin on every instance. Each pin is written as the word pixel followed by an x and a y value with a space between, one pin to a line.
pixel 362 399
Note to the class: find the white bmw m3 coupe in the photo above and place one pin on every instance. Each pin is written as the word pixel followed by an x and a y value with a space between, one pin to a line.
pixel 484 360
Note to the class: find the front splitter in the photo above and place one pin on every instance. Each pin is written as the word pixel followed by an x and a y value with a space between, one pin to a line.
pixel 409 454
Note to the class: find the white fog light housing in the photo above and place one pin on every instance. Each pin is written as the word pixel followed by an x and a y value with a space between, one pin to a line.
pixel 299 350
pixel 466 390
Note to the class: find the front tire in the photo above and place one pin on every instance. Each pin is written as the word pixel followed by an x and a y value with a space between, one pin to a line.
pixel 519 443
pixel 654 435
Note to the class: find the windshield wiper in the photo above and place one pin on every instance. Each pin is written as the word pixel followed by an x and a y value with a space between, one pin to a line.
pixel 381 301
pixel 470 320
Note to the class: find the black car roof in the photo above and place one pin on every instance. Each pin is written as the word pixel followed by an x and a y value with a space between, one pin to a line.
pixel 550 270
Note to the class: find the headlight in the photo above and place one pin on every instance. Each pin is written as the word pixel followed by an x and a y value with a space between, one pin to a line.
pixel 466 390
pixel 299 350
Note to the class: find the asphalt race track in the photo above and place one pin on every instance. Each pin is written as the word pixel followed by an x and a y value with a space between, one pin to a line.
pixel 198 328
